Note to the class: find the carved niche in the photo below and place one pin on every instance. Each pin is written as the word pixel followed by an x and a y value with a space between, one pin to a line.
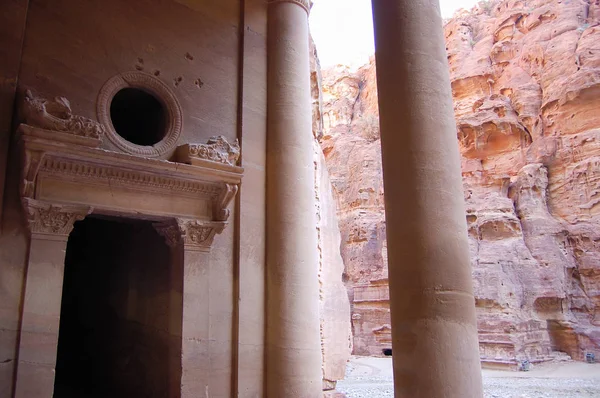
pixel 64 169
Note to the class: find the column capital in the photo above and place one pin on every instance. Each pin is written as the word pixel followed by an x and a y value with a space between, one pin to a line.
pixel 199 235
pixel 193 234
pixel 306 4
pixel 170 231
pixel 53 220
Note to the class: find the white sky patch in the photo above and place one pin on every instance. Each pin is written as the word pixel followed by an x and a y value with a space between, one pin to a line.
pixel 343 29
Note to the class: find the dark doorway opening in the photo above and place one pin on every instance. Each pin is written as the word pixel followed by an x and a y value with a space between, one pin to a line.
pixel 138 116
pixel 120 323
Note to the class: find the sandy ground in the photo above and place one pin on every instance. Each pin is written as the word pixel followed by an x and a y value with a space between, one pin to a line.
pixel 368 377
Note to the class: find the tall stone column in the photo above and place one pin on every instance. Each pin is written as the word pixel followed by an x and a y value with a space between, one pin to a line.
pixel 196 237
pixel 50 226
pixel 434 332
pixel 293 337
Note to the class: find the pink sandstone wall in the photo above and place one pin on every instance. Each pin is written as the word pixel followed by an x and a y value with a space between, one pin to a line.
pixel 525 85
pixel 71 49
pixel 217 71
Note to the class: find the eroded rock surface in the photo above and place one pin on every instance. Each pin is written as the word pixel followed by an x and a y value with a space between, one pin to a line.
pixel 526 84
pixel 336 335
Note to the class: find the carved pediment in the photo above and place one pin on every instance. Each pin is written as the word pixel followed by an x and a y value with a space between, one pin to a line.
pixel 63 165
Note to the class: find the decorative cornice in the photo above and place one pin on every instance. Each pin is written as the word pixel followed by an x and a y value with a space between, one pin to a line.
pixel 306 4
pixel 129 178
pixel 197 234
pixel 56 169
pixel 217 149
pixel 51 219
pixel 56 115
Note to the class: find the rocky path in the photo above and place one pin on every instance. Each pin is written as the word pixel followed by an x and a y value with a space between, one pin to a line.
pixel 372 378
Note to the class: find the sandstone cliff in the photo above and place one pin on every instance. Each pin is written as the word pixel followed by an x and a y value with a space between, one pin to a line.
pixel 336 336
pixel 526 85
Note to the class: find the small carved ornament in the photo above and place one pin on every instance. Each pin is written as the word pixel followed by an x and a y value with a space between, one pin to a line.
pixel 217 149
pixel 199 234
pixel 56 115
pixel 190 232
pixel 221 212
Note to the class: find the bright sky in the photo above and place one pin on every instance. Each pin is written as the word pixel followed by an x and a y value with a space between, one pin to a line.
pixel 343 29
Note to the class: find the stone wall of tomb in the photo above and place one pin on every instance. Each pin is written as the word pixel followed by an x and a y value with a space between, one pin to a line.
pixel 199 51
pixel 211 66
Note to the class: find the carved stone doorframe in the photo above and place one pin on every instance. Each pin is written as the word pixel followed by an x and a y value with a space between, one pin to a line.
pixel 190 242
pixel 67 176
pixel 50 226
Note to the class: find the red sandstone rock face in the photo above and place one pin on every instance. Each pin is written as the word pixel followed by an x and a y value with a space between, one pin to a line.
pixel 352 149
pixel 526 85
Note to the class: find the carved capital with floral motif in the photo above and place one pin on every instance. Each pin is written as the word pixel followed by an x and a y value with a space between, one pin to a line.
pixel 52 220
pixel 170 231
pixel 199 235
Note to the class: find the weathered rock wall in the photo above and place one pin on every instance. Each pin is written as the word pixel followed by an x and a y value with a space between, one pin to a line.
pixel 526 82
pixel 336 335
pixel 352 149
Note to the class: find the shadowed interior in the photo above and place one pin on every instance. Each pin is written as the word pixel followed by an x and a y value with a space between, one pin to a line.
pixel 120 327
pixel 138 116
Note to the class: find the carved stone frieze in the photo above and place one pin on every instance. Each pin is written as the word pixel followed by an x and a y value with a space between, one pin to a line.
pixel 131 178
pixel 56 115
pixel 217 149
pixel 199 234
pixel 306 4
pixel 52 219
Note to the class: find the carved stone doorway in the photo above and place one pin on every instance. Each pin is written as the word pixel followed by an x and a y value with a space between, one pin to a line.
pixel 68 176
pixel 121 312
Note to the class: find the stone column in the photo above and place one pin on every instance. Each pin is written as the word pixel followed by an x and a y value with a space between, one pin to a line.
pixel 50 226
pixel 293 338
pixel 434 332
pixel 171 232
pixel 197 238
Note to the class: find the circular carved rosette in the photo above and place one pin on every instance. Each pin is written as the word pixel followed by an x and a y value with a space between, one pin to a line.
pixel 161 91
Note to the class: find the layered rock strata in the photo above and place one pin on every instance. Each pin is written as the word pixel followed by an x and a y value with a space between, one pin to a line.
pixel 526 81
